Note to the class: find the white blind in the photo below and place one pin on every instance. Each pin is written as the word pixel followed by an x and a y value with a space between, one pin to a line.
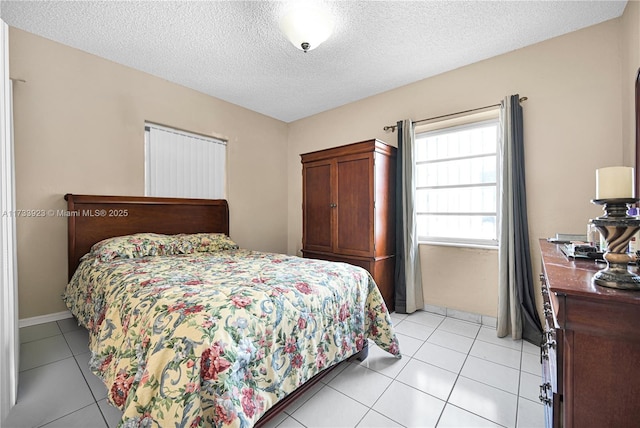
pixel 183 165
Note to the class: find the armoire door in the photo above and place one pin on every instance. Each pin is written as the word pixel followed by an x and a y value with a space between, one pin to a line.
pixel 353 234
pixel 318 206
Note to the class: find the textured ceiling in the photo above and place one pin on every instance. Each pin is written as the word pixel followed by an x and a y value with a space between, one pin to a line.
pixel 234 50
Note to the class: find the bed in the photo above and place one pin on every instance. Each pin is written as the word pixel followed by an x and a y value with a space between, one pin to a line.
pixel 188 330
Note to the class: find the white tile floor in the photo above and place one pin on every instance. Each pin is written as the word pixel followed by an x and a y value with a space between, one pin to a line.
pixel 453 374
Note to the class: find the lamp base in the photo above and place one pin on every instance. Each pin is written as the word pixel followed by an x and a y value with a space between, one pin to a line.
pixel 617 228
pixel 624 280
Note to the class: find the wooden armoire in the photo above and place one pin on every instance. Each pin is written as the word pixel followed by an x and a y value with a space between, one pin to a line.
pixel 348 205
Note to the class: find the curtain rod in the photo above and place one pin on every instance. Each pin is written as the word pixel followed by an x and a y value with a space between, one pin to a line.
pixel 392 128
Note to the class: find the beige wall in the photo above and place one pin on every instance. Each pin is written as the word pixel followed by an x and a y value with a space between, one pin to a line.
pixel 630 68
pixel 572 127
pixel 79 123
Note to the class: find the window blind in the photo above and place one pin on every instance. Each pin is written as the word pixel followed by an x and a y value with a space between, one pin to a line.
pixel 184 165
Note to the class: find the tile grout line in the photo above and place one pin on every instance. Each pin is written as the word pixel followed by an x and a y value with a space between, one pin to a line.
pixel 86 381
pixel 46 364
pixel 64 416
pixel 491 386
pixel 72 356
pixel 458 374
pixel 456 381
pixel 519 382
pixel 370 407
pixel 394 379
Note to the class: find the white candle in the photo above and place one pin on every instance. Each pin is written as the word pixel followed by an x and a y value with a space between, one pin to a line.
pixel 615 182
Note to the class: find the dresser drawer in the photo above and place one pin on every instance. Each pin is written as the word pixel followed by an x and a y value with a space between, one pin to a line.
pixel 551 347
pixel 597 345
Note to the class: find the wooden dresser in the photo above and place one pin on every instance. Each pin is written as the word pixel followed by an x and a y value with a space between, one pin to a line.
pixel 348 205
pixel 591 347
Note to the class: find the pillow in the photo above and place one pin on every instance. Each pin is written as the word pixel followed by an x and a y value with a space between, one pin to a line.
pixel 134 246
pixel 155 244
pixel 205 242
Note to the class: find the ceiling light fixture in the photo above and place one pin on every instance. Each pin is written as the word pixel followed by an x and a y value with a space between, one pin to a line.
pixel 307 26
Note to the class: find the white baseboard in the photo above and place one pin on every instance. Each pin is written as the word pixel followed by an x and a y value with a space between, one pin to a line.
pixel 462 315
pixel 26 322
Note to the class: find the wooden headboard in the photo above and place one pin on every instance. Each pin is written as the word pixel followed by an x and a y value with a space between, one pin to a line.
pixel 93 218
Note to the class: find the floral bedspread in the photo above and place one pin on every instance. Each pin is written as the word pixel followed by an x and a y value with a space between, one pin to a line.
pixel 216 339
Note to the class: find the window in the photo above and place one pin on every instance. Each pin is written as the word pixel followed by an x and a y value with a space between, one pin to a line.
pixel 457 178
pixel 184 165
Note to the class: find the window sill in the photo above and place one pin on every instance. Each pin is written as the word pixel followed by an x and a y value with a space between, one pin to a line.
pixel 460 245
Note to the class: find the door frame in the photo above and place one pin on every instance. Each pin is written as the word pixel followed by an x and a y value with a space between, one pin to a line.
pixel 9 334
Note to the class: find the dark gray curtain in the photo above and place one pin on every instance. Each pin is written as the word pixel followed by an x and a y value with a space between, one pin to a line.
pixel 408 277
pixel 517 313
pixel 400 288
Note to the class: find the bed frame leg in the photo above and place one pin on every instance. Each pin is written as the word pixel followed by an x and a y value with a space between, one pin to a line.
pixel 364 353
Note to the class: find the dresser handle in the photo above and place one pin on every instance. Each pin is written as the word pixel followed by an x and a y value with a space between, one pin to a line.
pixel 550 334
pixel 333 205
pixel 545 400
pixel 543 393
pixel 544 355
pixel 547 343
